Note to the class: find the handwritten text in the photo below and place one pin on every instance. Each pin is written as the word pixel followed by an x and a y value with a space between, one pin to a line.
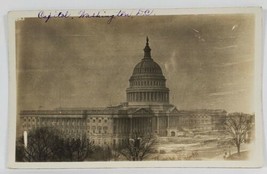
pixel 47 16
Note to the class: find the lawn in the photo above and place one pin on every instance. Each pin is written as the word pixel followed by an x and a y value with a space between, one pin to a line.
pixel 211 147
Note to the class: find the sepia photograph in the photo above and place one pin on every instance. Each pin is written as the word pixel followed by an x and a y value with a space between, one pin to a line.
pixel 146 87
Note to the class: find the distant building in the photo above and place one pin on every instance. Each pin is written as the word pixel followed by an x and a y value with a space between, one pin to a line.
pixel 147 110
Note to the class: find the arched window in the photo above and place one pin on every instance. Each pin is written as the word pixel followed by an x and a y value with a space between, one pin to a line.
pixel 105 128
pixel 99 129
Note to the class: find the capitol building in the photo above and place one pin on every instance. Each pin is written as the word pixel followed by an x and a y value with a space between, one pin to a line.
pixel 147 110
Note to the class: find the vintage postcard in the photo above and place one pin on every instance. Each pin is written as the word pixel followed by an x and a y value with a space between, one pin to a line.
pixel 135 88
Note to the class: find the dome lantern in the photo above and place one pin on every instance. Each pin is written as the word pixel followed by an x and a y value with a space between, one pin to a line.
pixel 147 50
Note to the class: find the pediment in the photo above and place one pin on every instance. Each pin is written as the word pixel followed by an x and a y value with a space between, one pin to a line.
pixel 173 110
pixel 142 111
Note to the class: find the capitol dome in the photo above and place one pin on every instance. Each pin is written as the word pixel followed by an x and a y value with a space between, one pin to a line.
pixel 147 67
pixel 147 83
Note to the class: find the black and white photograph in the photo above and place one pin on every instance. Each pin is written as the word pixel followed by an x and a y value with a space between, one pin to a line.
pixel 137 86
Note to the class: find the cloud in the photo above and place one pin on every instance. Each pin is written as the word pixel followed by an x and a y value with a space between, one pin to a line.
pixel 234 63
pixel 223 93
pixel 170 66
pixel 226 47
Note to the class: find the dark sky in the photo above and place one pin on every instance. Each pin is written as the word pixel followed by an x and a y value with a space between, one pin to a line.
pixel 208 60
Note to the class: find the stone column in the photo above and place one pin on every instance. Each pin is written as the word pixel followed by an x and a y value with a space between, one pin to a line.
pixel 134 124
pixel 168 121
pixel 144 93
pixel 143 124
pixel 138 124
pixel 158 125
pixel 119 129
pixel 120 125
pixel 167 96
pixel 145 96
pixel 131 125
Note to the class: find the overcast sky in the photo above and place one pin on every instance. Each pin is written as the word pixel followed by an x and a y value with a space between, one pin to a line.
pixel 208 60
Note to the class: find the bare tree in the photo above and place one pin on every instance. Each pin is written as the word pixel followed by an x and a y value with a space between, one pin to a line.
pixel 41 146
pixel 77 149
pixel 138 147
pixel 238 125
pixel 44 144
pixel 20 150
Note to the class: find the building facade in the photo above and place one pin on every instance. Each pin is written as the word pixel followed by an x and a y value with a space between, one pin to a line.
pixel 147 110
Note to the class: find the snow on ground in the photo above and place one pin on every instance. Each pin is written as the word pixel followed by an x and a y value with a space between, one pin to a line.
pixel 193 148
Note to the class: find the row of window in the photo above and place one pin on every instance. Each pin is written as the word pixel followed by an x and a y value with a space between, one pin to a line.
pixel 29 119
pixel 147 83
pixel 100 142
pixel 194 121
pixel 73 122
pixel 195 117
pixel 71 131
pixel 98 127
pixel 147 69
pixel 147 96
pixel 62 123
pixel 97 131
pixel 99 120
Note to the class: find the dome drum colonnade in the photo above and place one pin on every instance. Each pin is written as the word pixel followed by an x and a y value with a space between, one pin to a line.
pixel 147 83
